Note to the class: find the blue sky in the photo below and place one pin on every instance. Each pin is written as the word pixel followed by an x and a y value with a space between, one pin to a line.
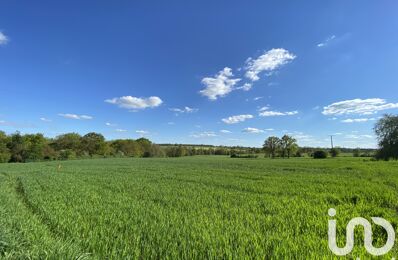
pixel 212 72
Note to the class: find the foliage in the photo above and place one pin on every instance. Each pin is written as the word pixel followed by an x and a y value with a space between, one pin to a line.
pixel 386 130
pixel 334 152
pixel 320 154
pixel 272 145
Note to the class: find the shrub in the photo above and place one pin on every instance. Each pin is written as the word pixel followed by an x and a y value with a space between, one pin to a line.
pixel 334 152
pixel 320 154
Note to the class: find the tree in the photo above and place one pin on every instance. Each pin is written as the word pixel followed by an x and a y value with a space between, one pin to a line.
pixel 356 152
pixel 386 130
pixel 5 154
pixel 271 145
pixel 17 148
pixel 334 152
pixel 70 141
pixel 288 145
pixel 35 144
pixel 320 154
pixel 93 144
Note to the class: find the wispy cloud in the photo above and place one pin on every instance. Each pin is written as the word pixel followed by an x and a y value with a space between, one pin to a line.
pixel 252 130
pixel 110 124
pixel 220 85
pixel 121 130
pixel 142 132
pixel 184 110
pixel 236 119
pixel 130 102
pixel 246 86
pixel 3 39
pixel 268 62
pixel 45 119
pixel 358 120
pixel 225 131
pixel 265 112
pixel 76 117
pixel 257 98
pixel 326 41
pixel 203 135
pixel 358 106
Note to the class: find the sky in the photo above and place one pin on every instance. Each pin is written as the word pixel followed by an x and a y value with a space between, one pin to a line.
pixel 200 72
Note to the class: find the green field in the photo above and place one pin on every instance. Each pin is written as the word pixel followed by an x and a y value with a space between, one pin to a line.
pixel 192 207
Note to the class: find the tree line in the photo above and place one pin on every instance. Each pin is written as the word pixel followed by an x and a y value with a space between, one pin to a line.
pixel 36 147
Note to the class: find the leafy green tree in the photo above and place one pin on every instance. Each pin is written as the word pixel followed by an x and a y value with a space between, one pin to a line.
pixel 356 152
pixel 69 141
pixel 386 130
pixel 93 144
pixel 34 144
pixel 272 145
pixel 17 148
pixel 5 154
pixel 320 154
pixel 288 145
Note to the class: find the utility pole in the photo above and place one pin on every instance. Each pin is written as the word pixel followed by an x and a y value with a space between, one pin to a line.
pixel 331 140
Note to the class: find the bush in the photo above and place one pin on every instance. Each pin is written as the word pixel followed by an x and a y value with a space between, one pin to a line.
pixel 334 152
pixel 320 155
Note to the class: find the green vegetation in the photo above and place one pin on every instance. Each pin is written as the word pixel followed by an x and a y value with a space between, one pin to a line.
pixel 386 130
pixel 191 207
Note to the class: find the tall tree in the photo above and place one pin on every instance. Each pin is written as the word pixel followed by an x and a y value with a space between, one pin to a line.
pixel 271 145
pixel 386 130
pixel 93 143
pixel 5 154
pixel 288 145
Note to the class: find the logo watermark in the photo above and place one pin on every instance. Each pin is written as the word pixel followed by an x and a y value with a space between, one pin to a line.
pixel 367 226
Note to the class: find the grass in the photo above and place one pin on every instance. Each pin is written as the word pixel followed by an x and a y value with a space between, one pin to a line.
pixel 193 207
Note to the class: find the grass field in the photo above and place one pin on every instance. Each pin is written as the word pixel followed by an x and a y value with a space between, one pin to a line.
pixel 193 207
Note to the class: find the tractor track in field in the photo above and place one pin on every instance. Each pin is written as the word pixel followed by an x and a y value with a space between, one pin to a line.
pixel 39 214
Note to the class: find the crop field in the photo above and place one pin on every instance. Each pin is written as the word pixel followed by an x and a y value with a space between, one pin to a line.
pixel 192 208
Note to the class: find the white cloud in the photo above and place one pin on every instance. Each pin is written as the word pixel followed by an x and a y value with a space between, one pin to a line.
pixel 45 119
pixel 327 41
pixel 130 102
pixel 252 130
pixel 204 135
pixel 359 136
pixel 77 117
pixel 121 130
pixel 142 132
pixel 257 98
pixel 358 120
pixel 265 112
pixel 184 110
pixel 269 129
pixel 246 86
pixel 358 106
pixel 269 61
pixel 236 119
pixel 3 39
pixel 110 124
pixel 219 86
pixel 225 131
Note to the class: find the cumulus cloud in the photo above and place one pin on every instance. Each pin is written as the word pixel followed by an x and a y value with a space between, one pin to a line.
pixel 268 62
pixel 130 102
pixel 77 117
pixel 252 130
pixel 265 112
pixel 236 119
pixel 358 120
pixel 220 85
pixel 326 41
pixel 3 39
pixel 358 106
pixel 203 135
pixel 225 131
pixel 184 110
